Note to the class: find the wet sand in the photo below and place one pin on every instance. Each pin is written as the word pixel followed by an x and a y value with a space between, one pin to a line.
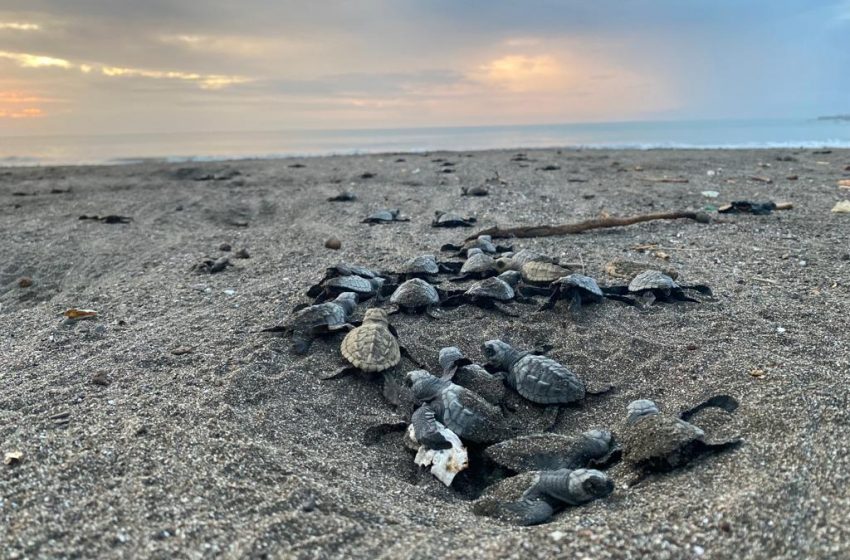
pixel 237 449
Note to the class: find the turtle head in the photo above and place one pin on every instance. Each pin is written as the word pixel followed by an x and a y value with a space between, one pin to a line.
pixel 449 356
pixel 499 353
pixel 589 484
pixel 375 315
pixel 377 283
pixel 639 408
pixel 503 264
pixel 473 251
pixel 423 385
pixel 510 277
pixel 601 438
pixel 348 301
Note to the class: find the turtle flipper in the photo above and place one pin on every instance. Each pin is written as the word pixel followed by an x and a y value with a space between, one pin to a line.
pixel 720 446
pixel 725 402
pixel 531 512
pixel 406 353
pixel 615 290
pixel 425 429
pixel 701 288
pixel 455 300
pixel 315 290
pixel 433 314
pixel 339 373
pixel 498 308
pixel 301 343
pixel 452 267
pixel 599 391
pixel 624 299
pixel 680 295
pixel 450 247
pixel 529 291
pixel 554 296
pixel 575 301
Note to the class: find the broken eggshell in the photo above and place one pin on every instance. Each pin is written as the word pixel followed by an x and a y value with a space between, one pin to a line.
pixel 445 463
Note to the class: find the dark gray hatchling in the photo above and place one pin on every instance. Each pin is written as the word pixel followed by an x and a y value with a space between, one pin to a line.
pixel 577 289
pixel 415 296
pixel 653 285
pixel 489 293
pixel 365 288
pixel 340 270
pixel 385 216
pixel 316 320
pixel 460 410
pixel 483 242
pixel 548 451
pixel 537 378
pixel 477 265
pixel 462 371
pixel 451 220
pixel 533 497
pixel 657 442
pixel 426 267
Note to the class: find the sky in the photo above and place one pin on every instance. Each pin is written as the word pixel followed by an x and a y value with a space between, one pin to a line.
pixel 132 66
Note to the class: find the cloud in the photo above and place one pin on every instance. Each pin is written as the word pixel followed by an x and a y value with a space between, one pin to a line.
pixel 524 73
pixel 27 113
pixel 18 26
pixel 25 60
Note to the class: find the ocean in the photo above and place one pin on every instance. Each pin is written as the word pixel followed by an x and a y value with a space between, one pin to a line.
pixel 206 146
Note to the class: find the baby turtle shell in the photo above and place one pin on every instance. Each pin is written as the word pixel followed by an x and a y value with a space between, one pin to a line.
pixel 622 268
pixel 451 220
pixel 460 410
pixel 421 266
pixel 315 320
pixel 519 259
pixel 654 280
pixel 657 442
pixel 371 347
pixel 541 272
pixel 532 498
pixel 483 242
pixel 385 217
pixel 553 451
pixel 365 288
pixel 537 378
pixel 477 265
pixel 415 294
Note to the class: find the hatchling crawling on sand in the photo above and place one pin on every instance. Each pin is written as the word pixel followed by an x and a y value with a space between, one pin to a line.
pixel 548 451
pixel 657 442
pixel 653 285
pixel 531 498
pixel 316 320
pixel 365 288
pixel 462 411
pixel 415 296
pixel 477 265
pixel 577 289
pixel 515 261
pixel 425 267
pixel 488 293
pixel 483 242
pixel 462 371
pixel 537 378
pixel 451 220
pixel 371 347
pixel 385 216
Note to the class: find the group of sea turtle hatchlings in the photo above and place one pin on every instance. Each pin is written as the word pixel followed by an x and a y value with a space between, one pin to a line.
pixel 479 405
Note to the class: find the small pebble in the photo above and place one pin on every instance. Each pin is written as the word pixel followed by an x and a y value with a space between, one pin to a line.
pixel 242 254
pixel 12 458
pixel 333 243
pixel 101 379
pixel 224 247
pixel 229 291
pixel 780 330
pixel 24 282
pixel 219 264
pixel 557 535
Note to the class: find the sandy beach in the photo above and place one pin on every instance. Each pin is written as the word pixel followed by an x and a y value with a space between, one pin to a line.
pixel 232 447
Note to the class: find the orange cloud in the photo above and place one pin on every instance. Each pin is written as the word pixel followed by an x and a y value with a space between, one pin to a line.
pixel 18 26
pixel 524 73
pixel 27 113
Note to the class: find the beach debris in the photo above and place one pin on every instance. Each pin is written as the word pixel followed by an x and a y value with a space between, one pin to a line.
pixel 760 179
pixel 451 220
pixel 626 269
pixel 478 190
pixel 533 497
pixel 792 177
pixel 200 174
pixel 367 175
pixel 371 347
pixel 488 293
pixel 24 282
pixel 225 247
pixel 75 314
pixel 755 208
pixel 844 183
pixel 344 196
pixel 654 441
pixel 549 168
pixel 653 285
pixel 842 207
pixel 415 296
pixel 318 320
pixel 459 409
pixel 445 463
pixel 212 266
pixel 110 219
pixel 333 243
pixel 538 378
pixel 710 194
pixel 242 254
pixel 554 451
pixel 665 180
pixel 822 152
pixel 12 458
pixel 385 216
pixel 181 350
pixel 579 227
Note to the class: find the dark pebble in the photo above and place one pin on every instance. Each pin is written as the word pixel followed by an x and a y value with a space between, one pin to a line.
pixel 242 254
pixel 24 282
pixel 224 247
pixel 333 243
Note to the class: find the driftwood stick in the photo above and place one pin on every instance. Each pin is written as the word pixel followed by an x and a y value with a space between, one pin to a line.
pixel 568 229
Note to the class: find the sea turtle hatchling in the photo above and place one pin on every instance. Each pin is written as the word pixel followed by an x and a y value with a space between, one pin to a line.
pixel 537 378
pixel 317 320
pixel 626 269
pixel 548 451
pixel 462 371
pixel 451 220
pixel 365 288
pixel 385 216
pixel 415 296
pixel 657 442
pixel 342 269
pixel 477 265
pixel 483 242
pixel 489 293
pixel 531 498
pixel 371 347
pixel 425 267
pixel 653 285
pixel 578 289
pixel 462 411
pixel 542 272
pixel 515 261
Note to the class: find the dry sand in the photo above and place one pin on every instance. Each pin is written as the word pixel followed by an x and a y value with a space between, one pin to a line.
pixel 236 449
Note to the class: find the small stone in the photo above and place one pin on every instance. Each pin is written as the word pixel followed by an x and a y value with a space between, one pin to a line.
pixel 180 350
pixel 557 535
pixel 24 282
pixel 710 194
pixel 333 243
pixel 842 207
pixel 224 247
pixel 780 330
pixel 12 458
pixel 792 177
pixel 242 254
pixel 101 378
pixel 757 373
pixel 229 291
pixel 803 263
pixel 692 347
pixel 698 550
